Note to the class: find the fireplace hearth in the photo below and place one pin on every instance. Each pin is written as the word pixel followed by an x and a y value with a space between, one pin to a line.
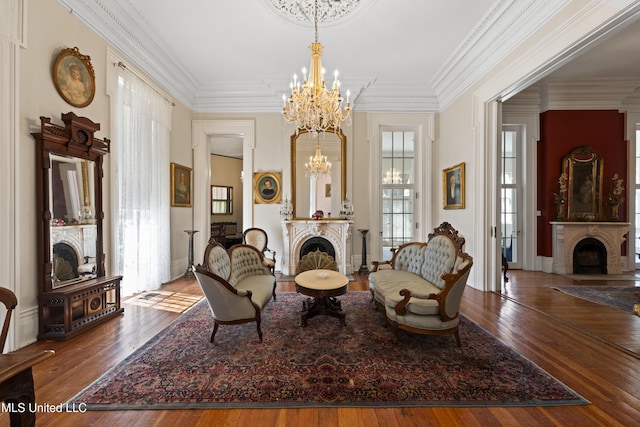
pixel 589 247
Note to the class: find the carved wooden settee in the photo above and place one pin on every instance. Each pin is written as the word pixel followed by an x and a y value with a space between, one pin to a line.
pixel 237 284
pixel 422 288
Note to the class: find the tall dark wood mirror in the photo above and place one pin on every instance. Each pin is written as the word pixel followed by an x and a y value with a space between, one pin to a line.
pixel 326 192
pixel 74 292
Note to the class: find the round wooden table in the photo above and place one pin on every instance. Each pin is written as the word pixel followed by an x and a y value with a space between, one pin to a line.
pixel 323 286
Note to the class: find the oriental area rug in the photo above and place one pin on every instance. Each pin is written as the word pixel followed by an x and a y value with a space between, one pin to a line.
pixel 620 297
pixel 321 365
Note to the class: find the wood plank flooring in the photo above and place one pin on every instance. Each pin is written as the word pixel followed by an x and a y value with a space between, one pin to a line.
pixel 593 349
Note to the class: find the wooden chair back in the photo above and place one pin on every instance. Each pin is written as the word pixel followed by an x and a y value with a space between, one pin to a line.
pixel 10 301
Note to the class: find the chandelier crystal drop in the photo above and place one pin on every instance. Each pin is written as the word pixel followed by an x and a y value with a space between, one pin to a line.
pixel 317 165
pixel 311 105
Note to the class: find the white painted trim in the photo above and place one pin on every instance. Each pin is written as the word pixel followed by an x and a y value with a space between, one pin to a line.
pixel 201 131
pixel 9 106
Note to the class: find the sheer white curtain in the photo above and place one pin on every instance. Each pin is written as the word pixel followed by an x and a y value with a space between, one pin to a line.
pixel 140 168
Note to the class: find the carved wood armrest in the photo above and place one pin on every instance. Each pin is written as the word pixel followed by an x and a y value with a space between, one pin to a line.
pixel 401 307
pixel 376 264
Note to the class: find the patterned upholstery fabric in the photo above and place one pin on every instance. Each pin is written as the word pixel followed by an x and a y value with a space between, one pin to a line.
pixel 439 258
pixel 218 262
pixel 410 258
pixel 246 261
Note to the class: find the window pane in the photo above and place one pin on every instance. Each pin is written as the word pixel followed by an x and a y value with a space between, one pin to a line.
pixel 398 164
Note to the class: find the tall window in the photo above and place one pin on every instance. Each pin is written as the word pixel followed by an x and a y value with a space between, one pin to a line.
pixel 397 185
pixel 509 191
pixel 140 165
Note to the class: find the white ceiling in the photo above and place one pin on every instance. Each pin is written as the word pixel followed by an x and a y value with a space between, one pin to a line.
pixel 240 55
pixel 409 55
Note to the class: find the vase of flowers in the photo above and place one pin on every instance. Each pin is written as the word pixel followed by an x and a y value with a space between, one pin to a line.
pixel 560 198
pixel 615 196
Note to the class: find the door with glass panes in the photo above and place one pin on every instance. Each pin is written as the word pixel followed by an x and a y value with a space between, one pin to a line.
pixel 510 191
pixel 397 189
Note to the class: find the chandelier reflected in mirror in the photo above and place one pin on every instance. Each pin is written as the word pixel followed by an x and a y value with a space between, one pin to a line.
pixel 317 165
pixel 311 105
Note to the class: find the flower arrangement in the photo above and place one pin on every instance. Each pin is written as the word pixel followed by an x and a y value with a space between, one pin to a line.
pixel 560 197
pixel 617 188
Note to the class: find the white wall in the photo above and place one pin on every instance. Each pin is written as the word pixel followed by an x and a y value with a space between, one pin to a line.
pixel 50 29
pixel 461 134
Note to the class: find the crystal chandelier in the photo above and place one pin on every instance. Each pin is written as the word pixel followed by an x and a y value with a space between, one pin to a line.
pixel 392 176
pixel 311 105
pixel 317 165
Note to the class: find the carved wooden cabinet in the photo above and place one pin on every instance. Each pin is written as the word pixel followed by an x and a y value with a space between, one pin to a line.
pixel 73 291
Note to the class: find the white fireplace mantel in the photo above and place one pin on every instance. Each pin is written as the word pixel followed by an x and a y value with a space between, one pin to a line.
pixel 296 232
pixel 566 235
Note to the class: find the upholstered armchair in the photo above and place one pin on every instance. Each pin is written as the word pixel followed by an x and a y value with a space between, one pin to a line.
pixel 434 313
pixel 258 238
pixel 237 286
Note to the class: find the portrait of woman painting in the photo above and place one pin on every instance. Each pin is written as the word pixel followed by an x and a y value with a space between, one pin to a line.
pixel 584 169
pixel 180 185
pixel 74 78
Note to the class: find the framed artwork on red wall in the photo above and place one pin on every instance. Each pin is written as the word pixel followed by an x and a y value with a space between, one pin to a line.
pixel 584 168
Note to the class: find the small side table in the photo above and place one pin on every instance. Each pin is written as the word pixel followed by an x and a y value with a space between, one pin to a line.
pixel 189 273
pixel 323 286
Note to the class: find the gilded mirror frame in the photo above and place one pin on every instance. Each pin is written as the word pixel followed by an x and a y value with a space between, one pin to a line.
pixel 343 169
pixel 584 170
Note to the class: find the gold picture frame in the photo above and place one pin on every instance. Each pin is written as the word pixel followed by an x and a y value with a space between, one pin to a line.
pixel 267 187
pixel 584 169
pixel 453 187
pixel 180 185
pixel 74 78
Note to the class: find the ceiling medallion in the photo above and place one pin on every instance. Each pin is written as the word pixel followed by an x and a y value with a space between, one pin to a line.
pixel 302 11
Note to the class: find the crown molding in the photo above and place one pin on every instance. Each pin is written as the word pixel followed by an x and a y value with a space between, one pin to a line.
pixel 587 94
pixel 501 30
pixel 113 21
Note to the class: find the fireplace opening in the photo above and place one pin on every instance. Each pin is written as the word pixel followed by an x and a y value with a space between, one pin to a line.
pixel 317 243
pixel 65 262
pixel 590 257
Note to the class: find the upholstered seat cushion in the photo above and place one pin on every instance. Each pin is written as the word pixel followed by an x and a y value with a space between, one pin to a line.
pixel 421 306
pixel 261 287
pixel 391 282
pixel 420 321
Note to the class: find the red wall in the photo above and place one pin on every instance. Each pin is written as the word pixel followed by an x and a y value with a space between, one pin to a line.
pixel 560 133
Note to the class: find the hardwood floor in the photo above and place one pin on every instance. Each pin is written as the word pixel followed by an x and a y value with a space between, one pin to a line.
pixel 593 349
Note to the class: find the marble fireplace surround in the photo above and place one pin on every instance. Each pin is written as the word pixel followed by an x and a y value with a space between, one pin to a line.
pixel 296 232
pixel 566 235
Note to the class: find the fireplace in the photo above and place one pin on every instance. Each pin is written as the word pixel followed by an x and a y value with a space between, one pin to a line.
pixel 331 235
pixel 590 257
pixel 589 247
pixel 317 243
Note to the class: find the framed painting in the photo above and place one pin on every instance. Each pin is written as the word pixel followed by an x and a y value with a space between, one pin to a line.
pixel 267 187
pixel 180 185
pixel 584 169
pixel 453 187
pixel 74 78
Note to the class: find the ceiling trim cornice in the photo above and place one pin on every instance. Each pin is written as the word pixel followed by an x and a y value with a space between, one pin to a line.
pixel 112 21
pixel 501 30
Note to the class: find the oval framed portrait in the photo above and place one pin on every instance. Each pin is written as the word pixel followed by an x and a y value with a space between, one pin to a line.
pixel 267 187
pixel 74 78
